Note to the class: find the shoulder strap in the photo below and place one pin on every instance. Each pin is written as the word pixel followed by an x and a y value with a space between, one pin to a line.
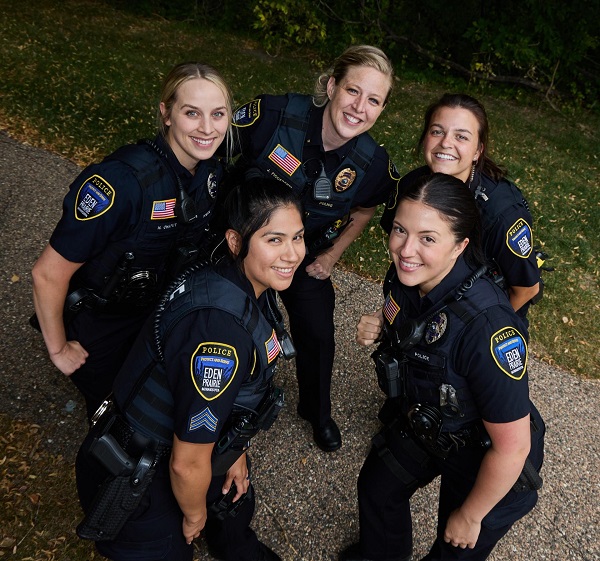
pixel 147 163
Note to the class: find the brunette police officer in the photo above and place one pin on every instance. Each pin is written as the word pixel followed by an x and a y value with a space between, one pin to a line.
pixel 319 146
pixel 195 387
pixel 453 363
pixel 129 223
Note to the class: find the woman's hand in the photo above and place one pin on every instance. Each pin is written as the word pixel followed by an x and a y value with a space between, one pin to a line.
pixel 191 528
pixel 460 531
pixel 71 357
pixel 369 328
pixel 237 473
pixel 322 266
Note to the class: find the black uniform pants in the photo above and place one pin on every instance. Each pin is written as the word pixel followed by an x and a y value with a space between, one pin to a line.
pixel 108 339
pixel 384 503
pixel 154 531
pixel 310 304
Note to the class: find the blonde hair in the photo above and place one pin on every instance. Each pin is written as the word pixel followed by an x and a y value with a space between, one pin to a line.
pixel 188 71
pixel 357 55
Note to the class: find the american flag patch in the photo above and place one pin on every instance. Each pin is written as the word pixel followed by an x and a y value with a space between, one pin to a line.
pixel 286 161
pixel 390 309
pixel 163 209
pixel 272 346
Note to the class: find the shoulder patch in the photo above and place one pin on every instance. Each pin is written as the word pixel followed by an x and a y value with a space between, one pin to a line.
pixel 247 114
pixel 213 367
pixel 509 349
pixel 519 239
pixel 390 309
pixel 94 198
pixel 272 347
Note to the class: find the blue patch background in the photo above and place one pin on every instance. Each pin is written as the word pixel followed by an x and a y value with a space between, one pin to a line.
pixel 226 367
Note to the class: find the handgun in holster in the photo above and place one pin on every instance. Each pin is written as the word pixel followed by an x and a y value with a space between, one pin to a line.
pixel 225 507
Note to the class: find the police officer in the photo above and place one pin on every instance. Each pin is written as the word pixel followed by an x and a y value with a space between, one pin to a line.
pixel 453 364
pixel 197 384
pixel 129 223
pixel 320 147
pixel 454 140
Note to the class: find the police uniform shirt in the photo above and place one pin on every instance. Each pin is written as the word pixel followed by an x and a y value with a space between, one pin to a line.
pixel 509 241
pixel 104 204
pixel 204 396
pixel 491 352
pixel 266 110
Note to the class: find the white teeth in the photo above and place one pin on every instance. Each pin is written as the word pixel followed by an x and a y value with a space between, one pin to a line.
pixel 445 157
pixel 288 270
pixel 410 265
pixel 352 119
pixel 204 142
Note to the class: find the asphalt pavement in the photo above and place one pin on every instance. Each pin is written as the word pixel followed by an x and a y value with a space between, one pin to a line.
pixel 306 499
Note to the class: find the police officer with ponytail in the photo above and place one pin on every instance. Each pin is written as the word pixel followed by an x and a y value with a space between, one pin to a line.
pixel 452 359
pixel 166 456
pixel 129 223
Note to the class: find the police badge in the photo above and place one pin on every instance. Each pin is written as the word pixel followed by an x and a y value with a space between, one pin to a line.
pixel 344 179
pixel 211 184
pixel 436 328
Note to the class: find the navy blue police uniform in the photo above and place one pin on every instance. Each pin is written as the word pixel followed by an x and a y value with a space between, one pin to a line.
pixel 470 364
pixel 204 359
pixel 282 137
pixel 120 220
pixel 507 227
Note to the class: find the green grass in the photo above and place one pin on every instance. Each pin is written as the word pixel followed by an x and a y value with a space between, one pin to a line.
pixel 81 79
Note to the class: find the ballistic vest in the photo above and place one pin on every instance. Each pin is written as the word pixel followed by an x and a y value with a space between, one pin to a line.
pixel 290 134
pixel 146 275
pixel 428 366
pixel 146 401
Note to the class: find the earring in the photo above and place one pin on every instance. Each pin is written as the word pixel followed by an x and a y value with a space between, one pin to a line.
pixel 472 172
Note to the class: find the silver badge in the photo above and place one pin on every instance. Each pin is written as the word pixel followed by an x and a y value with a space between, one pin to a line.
pixel 436 328
pixel 211 183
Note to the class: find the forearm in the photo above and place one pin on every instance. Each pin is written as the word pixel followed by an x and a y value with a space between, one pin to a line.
pixel 520 295
pixel 497 475
pixel 48 301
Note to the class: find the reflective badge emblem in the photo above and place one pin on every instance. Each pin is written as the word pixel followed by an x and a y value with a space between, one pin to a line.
pixel 509 350
pixel 213 367
pixel 94 198
pixel 390 309
pixel 211 183
pixel 344 179
pixel 284 160
pixel 206 418
pixel 163 209
pixel 247 114
pixel 272 347
pixel 436 328
pixel 519 239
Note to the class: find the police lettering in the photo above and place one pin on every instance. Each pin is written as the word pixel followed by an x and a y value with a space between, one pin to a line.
pixel 101 185
pixel 216 351
pixel 421 356
pixel 504 335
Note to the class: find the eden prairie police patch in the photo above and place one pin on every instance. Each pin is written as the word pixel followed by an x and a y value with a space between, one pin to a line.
pixel 519 239
pixel 94 198
pixel 247 114
pixel 213 367
pixel 509 350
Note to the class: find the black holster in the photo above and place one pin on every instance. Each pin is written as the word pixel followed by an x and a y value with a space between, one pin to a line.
pixel 245 424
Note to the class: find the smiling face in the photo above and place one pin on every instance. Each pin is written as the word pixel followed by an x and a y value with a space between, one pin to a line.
pixel 197 121
pixel 275 250
pixel 452 142
pixel 355 104
pixel 422 245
